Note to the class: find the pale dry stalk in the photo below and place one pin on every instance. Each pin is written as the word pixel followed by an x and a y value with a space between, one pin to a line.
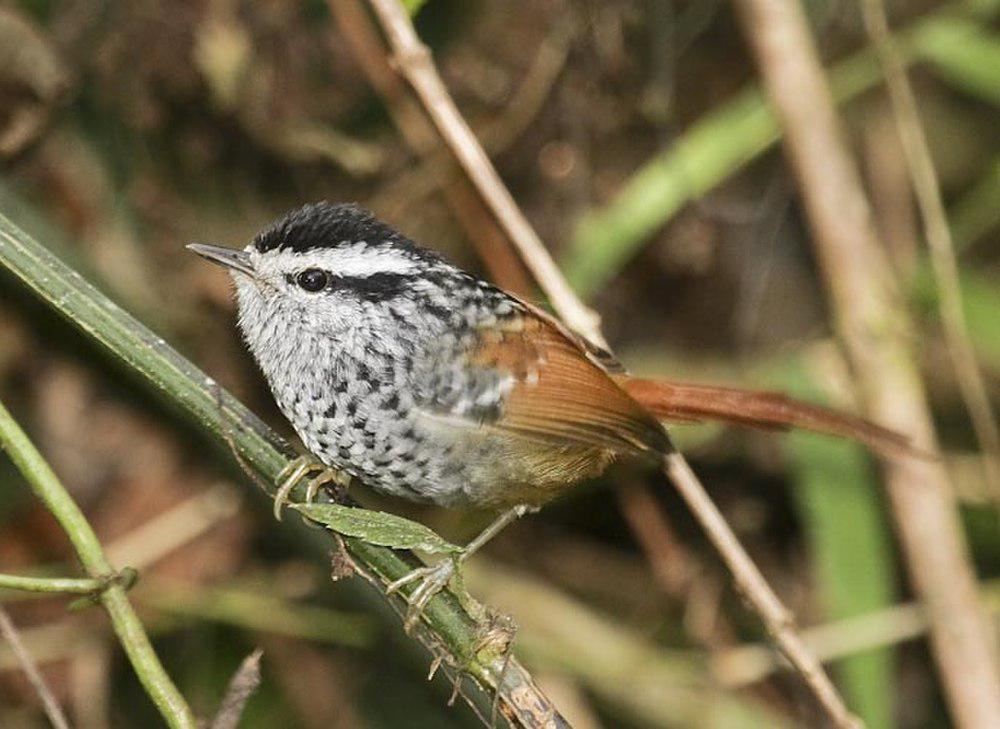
pixel 924 179
pixel 872 324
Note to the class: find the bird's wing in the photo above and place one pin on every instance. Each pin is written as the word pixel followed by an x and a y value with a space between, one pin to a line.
pixel 555 391
pixel 687 402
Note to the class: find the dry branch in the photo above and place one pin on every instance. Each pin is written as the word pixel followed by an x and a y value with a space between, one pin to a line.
pixel 241 687
pixel 360 34
pixel 52 709
pixel 746 664
pixel 874 329
pixel 752 585
pixel 414 62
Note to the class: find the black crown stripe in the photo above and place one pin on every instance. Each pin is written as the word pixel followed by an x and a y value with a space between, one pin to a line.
pixel 326 225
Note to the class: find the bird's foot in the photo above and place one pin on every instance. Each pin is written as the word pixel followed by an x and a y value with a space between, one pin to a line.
pixel 328 478
pixel 433 579
pixel 436 577
pixel 305 465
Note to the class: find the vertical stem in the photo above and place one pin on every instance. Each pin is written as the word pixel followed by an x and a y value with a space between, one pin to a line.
pixel 874 329
pixel 918 159
pixel 126 623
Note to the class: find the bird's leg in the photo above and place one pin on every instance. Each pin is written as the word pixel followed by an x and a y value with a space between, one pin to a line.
pixel 287 479
pixel 302 466
pixel 435 578
pixel 327 477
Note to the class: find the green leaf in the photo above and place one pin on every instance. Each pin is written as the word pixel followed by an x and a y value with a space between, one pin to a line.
pixel 413 6
pixel 961 52
pixel 377 527
pixel 980 303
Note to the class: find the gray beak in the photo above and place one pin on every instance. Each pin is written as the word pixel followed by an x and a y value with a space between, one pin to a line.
pixel 232 258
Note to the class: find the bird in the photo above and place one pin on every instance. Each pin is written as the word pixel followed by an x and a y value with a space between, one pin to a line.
pixel 425 382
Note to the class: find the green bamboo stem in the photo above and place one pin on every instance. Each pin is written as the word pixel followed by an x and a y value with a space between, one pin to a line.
pixel 126 623
pixel 447 630
pixel 66 585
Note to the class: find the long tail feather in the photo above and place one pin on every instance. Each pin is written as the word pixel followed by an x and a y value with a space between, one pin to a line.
pixel 759 409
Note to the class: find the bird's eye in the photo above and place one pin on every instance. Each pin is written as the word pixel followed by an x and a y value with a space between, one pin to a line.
pixel 312 279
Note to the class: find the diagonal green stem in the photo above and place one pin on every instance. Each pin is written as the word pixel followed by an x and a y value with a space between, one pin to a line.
pixel 448 631
pixel 126 623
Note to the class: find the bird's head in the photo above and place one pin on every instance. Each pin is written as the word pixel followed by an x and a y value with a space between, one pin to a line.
pixel 319 269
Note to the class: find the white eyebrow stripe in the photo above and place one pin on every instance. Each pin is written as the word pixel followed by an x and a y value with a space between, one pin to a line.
pixel 356 260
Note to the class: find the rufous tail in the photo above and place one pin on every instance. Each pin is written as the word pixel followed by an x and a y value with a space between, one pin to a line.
pixel 760 409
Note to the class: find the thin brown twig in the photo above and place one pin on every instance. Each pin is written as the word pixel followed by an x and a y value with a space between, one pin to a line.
pixel 413 60
pixel 924 179
pixel 241 687
pixel 415 64
pixel 52 709
pixel 746 664
pixel 875 331
pixel 496 134
pixel 752 585
pixel 435 168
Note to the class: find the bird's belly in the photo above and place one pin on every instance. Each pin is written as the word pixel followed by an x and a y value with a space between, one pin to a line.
pixel 407 456
pixel 513 470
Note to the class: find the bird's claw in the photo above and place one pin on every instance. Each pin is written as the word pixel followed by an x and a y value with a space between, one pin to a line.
pixel 433 579
pixel 295 470
pixel 436 577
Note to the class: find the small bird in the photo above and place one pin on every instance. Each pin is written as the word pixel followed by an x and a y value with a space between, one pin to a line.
pixel 427 383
